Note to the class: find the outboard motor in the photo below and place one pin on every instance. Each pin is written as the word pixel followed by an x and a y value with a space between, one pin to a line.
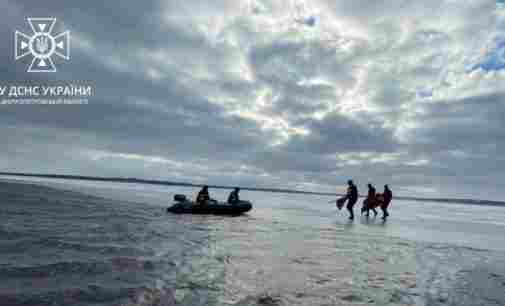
pixel 180 198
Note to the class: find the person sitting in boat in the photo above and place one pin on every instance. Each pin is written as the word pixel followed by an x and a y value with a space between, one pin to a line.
pixel 203 196
pixel 234 198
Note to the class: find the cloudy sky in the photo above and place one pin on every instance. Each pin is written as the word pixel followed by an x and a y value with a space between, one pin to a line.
pixel 288 94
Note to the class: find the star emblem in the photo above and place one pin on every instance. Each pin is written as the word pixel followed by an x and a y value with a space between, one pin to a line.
pixel 42 45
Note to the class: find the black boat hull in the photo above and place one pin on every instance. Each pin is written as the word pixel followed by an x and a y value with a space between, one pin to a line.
pixel 211 208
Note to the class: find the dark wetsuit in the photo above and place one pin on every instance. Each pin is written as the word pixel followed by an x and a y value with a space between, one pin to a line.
pixel 371 193
pixel 372 200
pixel 388 196
pixel 233 197
pixel 352 196
pixel 203 196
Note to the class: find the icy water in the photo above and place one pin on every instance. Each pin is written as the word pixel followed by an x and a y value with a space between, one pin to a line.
pixel 86 243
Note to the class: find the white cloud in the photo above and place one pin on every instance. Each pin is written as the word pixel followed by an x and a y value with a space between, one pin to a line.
pixel 273 91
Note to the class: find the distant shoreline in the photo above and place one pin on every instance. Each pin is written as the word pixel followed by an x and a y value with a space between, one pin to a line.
pixel 276 190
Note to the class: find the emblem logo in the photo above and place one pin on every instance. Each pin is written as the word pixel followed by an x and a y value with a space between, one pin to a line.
pixel 42 45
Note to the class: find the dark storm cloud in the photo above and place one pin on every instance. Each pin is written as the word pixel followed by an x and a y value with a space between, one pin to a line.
pixel 336 133
pixel 156 118
pixel 472 124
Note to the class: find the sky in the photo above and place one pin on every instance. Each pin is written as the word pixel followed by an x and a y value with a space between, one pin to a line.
pixel 286 94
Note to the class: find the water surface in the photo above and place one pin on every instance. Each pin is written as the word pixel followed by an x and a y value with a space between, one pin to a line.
pixel 86 243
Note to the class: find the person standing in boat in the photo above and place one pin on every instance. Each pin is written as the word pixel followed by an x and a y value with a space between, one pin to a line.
pixel 203 196
pixel 234 198
pixel 352 198
pixel 388 196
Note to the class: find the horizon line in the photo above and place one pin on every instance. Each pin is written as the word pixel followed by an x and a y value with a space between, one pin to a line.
pixel 262 189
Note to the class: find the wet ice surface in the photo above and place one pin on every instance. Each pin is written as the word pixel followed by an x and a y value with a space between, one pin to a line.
pixel 460 276
pixel 114 245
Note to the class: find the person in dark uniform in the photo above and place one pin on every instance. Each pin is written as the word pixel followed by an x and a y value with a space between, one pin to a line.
pixel 371 200
pixel 352 198
pixel 388 196
pixel 203 196
pixel 234 197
